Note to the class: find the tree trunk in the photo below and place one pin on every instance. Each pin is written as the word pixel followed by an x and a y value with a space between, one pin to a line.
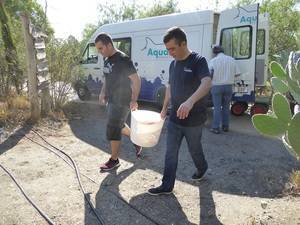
pixel 46 101
pixel 31 70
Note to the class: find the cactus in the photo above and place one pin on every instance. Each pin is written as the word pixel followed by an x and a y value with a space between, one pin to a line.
pixel 281 122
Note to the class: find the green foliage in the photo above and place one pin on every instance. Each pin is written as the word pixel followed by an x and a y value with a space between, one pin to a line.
pixel 13 72
pixel 12 62
pixel 278 71
pixel 279 85
pixel 293 133
pixel 281 122
pixel 63 57
pixel 281 108
pixel 159 9
pixel 113 13
pixel 268 125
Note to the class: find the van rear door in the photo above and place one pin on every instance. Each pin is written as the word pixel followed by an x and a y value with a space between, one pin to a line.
pixel 237 31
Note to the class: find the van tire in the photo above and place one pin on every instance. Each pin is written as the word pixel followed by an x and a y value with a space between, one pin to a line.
pixel 83 93
pixel 160 96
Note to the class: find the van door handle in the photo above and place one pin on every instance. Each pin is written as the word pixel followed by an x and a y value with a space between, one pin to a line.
pixel 97 68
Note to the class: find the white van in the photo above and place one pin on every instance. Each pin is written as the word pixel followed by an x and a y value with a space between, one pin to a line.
pixel 242 35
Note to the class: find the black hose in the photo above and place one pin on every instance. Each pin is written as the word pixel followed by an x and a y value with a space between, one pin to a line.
pixel 31 202
pixel 77 172
pixel 77 175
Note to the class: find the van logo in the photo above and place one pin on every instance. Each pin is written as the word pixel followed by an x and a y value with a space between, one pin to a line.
pixel 245 19
pixel 248 19
pixel 153 49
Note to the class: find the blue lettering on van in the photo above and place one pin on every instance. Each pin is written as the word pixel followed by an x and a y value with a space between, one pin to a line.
pixel 157 52
pixel 248 19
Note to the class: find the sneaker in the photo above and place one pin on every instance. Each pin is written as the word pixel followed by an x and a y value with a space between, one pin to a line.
pixel 159 191
pixel 225 129
pixel 138 150
pixel 215 130
pixel 199 176
pixel 110 164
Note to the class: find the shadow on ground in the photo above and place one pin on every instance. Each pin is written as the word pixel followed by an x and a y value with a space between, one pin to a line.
pixel 239 164
pixel 14 139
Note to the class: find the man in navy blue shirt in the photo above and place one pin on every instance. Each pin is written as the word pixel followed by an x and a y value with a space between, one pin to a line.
pixel 189 84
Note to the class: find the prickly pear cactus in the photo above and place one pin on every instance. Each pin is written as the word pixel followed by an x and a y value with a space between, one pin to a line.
pixel 281 122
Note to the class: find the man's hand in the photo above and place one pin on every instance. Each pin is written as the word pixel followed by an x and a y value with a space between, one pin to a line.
pixel 102 99
pixel 163 113
pixel 184 109
pixel 134 105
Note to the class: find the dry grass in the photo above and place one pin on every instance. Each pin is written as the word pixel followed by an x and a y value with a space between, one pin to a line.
pixel 295 180
pixel 18 102
pixel 3 112
pixel 14 110
pixel 293 186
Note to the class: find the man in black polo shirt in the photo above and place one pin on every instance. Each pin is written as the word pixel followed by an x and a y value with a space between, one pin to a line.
pixel 189 84
pixel 121 89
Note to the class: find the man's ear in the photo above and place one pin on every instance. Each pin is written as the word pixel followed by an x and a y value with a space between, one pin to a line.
pixel 183 43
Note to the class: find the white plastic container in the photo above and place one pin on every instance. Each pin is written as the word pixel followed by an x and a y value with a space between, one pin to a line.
pixel 145 127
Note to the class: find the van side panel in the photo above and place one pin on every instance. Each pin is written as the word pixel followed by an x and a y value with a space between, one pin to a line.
pixel 152 59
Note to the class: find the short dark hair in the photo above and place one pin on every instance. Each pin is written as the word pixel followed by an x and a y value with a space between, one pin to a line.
pixel 177 33
pixel 218 49
pixel 104 38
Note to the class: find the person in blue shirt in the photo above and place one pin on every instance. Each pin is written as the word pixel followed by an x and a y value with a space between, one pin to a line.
pixel 189 84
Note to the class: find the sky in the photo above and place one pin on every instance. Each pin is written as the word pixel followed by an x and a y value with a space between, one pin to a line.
pixel 69 17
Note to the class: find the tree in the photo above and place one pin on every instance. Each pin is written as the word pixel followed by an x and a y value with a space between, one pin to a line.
pixel 112 13
pixel 159 9
pixel 13 70
pixel 63 57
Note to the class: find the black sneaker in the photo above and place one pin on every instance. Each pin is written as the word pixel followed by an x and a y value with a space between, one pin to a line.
pixel 225 129
pixel 159 191
pixel 215 130
pixel 138 150
pixel 110 164
pixel 199 176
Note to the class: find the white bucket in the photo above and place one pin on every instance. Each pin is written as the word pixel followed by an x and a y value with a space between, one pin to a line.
pixel 145 127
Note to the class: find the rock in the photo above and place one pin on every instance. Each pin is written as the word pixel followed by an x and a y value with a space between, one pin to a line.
pixel 264 204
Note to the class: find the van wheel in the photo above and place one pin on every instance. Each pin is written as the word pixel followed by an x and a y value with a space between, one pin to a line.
pixel 259 108
pixel 83 93
pixel 238 108
pixel 160 96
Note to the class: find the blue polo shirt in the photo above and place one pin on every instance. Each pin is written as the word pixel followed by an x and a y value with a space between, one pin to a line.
pixel 184 79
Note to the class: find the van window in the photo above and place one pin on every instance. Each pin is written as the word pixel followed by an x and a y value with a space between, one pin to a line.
pixel 237 42
pixel 260 45
pixel 90 55
pixel 124 45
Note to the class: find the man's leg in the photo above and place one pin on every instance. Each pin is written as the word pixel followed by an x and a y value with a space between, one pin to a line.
pixel 193 137
pixel 115 148
pixel 174 139
pixel 217 99
pixel 126 132
pixel 227 95
pixel 116 119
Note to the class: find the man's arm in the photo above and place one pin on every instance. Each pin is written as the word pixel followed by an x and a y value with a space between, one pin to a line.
pixel 164 110
pixel 185 108
pixel 102 97
pixel 135 87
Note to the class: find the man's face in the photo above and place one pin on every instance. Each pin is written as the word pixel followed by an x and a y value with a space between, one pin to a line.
pixel 175 50
pixel 104 50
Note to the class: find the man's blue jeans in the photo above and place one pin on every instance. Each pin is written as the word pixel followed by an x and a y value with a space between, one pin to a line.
pixel 175 134
pixel 221 96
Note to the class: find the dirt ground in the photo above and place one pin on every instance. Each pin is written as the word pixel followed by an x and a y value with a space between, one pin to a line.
pixel 244 184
